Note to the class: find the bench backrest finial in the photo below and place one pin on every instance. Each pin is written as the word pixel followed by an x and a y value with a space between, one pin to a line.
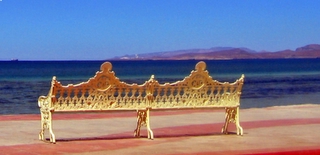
pixel 106 66
pixel 200 66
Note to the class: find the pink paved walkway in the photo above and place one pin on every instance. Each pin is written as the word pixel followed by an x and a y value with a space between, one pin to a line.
pixel 275 130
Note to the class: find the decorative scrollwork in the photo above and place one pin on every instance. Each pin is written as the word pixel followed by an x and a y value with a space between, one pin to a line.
pixel 103 83
pixel 197 82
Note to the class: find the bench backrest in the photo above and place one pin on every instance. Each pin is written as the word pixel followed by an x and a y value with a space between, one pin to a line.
pixel 197 90
pixel 105 91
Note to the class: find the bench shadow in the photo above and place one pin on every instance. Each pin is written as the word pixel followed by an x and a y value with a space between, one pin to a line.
pixel 119 137
pixel 193 134
pixel 94 138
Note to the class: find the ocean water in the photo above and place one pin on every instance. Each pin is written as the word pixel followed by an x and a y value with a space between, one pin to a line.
pixel 270 82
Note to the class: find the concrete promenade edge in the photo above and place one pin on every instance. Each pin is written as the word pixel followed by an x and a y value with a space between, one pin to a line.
pixel 274 130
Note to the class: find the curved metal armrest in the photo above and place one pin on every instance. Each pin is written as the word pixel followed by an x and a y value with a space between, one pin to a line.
pixel 44 102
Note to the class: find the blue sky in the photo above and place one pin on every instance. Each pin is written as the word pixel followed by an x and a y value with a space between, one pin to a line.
pixel 101 29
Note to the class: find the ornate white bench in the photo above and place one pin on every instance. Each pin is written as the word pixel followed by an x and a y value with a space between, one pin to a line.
pixel 105 92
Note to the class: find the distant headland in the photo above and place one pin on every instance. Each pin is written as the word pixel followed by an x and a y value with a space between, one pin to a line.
pixel 226 53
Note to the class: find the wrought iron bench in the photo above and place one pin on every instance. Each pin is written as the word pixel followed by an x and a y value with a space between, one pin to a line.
pixel 105 92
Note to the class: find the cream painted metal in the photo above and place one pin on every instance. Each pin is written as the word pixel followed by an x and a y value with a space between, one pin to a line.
pixel 105 92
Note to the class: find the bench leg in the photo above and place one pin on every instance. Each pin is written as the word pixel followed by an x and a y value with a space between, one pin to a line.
pixel 232 116
pixel 46 124
pixel 41 134
pixel 150 133
pixel 143 120
pixel 140 114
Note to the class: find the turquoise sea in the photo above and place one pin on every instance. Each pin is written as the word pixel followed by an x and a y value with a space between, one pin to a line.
pixel 268 82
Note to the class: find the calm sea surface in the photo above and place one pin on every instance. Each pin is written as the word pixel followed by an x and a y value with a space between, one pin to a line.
pixel 267 83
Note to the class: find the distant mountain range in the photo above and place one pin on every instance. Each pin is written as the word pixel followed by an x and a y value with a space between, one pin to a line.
pixel 225 53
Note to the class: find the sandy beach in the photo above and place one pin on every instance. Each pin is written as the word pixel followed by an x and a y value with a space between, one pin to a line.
pixel 273 130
